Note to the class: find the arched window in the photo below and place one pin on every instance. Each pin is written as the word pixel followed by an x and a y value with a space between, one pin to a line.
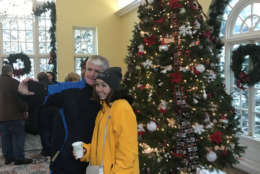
pixel 242 26
pixel 21 31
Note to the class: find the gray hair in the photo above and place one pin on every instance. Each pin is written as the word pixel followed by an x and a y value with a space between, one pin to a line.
pixel 99 61
pixel 6 69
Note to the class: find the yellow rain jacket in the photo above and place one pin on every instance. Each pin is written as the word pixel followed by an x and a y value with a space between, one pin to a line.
pixel 121 145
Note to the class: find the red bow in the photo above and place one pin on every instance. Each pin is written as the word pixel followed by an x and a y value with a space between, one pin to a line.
pixel 216 137
pixel 242 78
pixel 149 41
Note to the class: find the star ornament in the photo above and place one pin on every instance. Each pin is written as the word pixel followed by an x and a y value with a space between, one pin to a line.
pixel 147 64
pixel 185 30
pixel 198 128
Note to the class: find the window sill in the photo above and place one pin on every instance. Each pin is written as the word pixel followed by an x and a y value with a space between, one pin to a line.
pixel 251 159
pixel 127 9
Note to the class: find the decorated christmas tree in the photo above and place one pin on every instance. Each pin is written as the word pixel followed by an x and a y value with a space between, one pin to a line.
pixel 185 118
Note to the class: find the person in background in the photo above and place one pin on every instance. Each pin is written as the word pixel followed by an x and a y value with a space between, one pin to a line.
pixel 34 103
pixel 13 113
pixel 72 77
pixel 114 144
pixel 52 77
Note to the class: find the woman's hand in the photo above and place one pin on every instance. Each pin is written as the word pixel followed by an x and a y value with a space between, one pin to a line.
pixel 75 156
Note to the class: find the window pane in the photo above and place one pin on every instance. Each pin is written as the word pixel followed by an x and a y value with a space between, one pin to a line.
pixel 6 35
pixel 29 48
pixel 226 12
pixel 237 26
pixel 257 27
pixel 257 97
pixel 45 66
pixel 257 125
pixel 245 12
pixel 244 121
pixel 13 25
pixel 29 36
pixel 84 41
pixel 256 7
pixel 21 24
pixel 14 47
pixel 222 29
pixel 6 25
pixel 77 65
pixel 22 47
pixel 21 35
pixel 28 24
pixel 14 36
pixel 6 47
pixel 222 63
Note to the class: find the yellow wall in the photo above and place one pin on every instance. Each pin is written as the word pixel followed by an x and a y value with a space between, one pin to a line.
pixel 87 13
pixel 114 33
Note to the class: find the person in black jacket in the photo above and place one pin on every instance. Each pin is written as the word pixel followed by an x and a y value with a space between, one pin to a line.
pixel 78 112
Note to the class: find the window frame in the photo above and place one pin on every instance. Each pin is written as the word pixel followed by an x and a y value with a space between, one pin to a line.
pixel 250 160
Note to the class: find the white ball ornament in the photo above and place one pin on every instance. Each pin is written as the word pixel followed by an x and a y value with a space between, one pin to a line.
pixel 211 156
pixel 201 68
pixel 195 101
pixel 151 126
pixel 182 11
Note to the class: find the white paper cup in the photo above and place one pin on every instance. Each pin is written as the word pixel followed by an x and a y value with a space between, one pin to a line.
pixel 78 149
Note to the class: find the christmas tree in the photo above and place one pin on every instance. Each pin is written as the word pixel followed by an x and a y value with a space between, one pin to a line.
pixel 185 117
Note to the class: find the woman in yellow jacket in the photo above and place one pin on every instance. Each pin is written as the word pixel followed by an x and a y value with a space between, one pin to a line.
pixel 115 126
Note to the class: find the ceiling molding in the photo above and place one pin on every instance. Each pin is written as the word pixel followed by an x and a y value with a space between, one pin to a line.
pixel 130 7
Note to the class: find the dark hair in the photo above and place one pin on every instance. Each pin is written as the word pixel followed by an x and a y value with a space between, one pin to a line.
pixel 53 76
pixel 7 69
pixel 115 95
pixel 43 79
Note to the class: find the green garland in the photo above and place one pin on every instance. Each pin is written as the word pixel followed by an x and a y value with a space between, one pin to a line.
pixel 243 77
pixel 216 12
pixel 38 11
pixel 12 58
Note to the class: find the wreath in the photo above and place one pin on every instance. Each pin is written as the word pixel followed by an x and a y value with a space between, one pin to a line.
pixel 12 58
pixel 246 76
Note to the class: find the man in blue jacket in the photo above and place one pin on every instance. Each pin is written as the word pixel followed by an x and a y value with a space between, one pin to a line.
pixel 78 113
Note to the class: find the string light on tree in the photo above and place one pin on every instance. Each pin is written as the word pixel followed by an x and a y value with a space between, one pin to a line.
pixel 178 92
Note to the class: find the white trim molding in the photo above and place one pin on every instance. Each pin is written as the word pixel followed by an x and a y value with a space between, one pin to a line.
pixel 128 8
